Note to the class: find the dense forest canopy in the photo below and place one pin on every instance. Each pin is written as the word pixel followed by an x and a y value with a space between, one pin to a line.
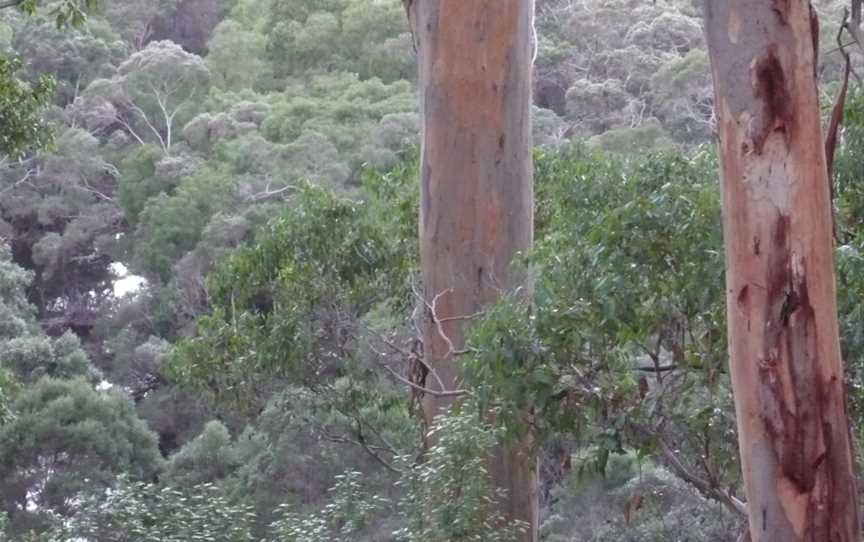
pixel 211 285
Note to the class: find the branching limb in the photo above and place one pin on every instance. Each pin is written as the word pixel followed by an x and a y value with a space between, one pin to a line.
pixel 269 192
pixel 433 311
pixel 10 4
pixel 730 501
pixel 23 180
pixel 413 385
pixel 371 450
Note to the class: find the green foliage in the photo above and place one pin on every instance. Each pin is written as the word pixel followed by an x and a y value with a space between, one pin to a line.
pixel 8 386
pixel 16 313
pixel 27 354
pixel 72 12
pixel 63 230
pixel 449 496
pixel 635 503
pixel 141 512
pixel 648 136
pixel 21 107
pixel 304 438
pixel 349 35
pixel 635 349
pixel 621 64
pixel 291 311
pixel 138 180
pixel 237 56
pixel 134 20
pixel 342 520
pixel 208 458
pixel 164 85
pixel 506 342
pixel 340 107
pixel 169 226
pixel 848 164
pixel 32 356
pixel 67 437
pixel 849 213
pixel 73 57
pixel 277 304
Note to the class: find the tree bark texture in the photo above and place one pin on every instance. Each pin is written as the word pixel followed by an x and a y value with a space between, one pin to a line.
pixel 786 369
pixel 476 209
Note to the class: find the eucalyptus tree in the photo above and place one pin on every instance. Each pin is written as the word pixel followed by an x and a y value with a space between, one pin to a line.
pixel 786 366
pixel 476 203
pixel 162 85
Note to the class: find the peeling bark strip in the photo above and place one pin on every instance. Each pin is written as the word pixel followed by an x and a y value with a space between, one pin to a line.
pixel 783 335
pixel 476 209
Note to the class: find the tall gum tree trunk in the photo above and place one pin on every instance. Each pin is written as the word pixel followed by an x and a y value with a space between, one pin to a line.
pixel 476 209
pixel 787 374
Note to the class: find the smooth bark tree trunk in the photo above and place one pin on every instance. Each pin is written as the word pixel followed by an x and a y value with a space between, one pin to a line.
pixel 787 374
pixel 476 209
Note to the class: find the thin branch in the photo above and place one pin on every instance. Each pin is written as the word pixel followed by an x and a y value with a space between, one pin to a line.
pixel 85 186
pixel 841 46
pixel 169 117
pixel 433 310
pixel 149 124
pixel 443 393
pixel 456 318
pixel 410 356
pixel 366 447
pixel 853 26
pixel 23 180
pixel 268 193
pixel 729 500
pixel 131 130
pixel 656 369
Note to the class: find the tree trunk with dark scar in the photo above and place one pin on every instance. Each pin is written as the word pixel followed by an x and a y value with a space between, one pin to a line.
pixel 787 373
pixel 476 199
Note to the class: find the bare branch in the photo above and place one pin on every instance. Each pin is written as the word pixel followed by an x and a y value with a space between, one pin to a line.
pixel 709 490
pixel 10 4
pixel 149 124
pixel 369 449
pixel 433 310
pixel 23 180
pixel 131 130
pixel 269 193
pixel 87 188
pixel 443 393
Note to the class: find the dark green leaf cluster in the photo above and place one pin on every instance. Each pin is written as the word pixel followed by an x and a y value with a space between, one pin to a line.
pixel 21 108
pixel 289 303
pixel 449 495
pixel 625 340
pixel 142 512
pixel 65 12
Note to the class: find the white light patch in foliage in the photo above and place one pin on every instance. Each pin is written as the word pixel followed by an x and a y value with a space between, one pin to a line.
pixel 126 283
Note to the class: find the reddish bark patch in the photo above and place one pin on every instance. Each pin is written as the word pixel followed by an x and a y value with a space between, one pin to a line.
pixel 771 90
pixel 781 9
pixel 790 389
pixel 744 298
pixel 814 33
